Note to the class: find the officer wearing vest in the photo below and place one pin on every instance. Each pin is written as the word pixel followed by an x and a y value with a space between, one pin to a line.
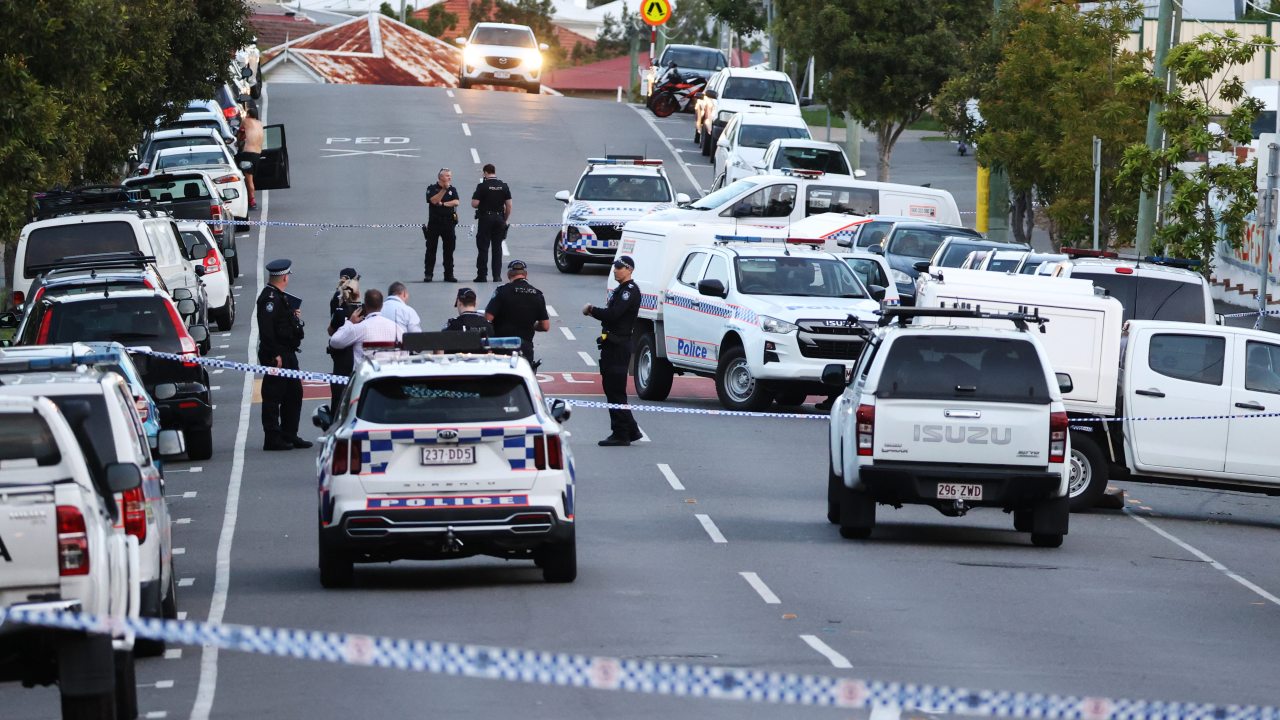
pixel 468 319
pixel 279 338
pixel 442 217
pixel 492 201
pixel 617 322
pixel 518 309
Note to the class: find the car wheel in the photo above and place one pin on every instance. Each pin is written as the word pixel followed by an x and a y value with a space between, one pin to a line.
pixel 463 83
pixel 126 685
pixel 737 388
pixel 1046 540
pixel 1022 521
pixel 225 316
pixel 1088 476
pixel 336 567
pixel 559 561
pixel 565 263
pixel 653 374
pixel 857 515
pixel 79 656
pixel 835 487
pixel 665 104
pixel 199 443
pixel 169 603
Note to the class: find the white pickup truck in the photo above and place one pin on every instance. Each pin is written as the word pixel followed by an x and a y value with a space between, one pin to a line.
pixel 60 550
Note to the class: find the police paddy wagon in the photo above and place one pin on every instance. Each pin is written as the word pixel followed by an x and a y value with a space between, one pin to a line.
pixel 611 191
pixel 445 449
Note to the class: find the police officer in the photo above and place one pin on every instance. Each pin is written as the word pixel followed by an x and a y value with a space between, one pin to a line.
pixel 279 337
pixel 468 318
pixel 442 218
pixel 518 309
pixel 617 321
pixel 492 201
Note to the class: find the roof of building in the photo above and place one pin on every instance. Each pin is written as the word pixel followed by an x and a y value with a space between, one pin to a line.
pixel 274 24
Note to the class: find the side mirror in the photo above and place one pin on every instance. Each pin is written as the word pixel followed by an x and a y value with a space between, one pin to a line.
pixel 199 333
pixel 6 343
pixel 460 41
pixel 123 476
pixel 712 288
pixel 9 320
pixel 876 249
pixel 230 193
pixel 877 292
pixel 859 173
pixel 181 294
pixel 833 376
pixel 560 410
pixel 170 443
pixel 198 270
pixel 1064 383
pixel 563 196
pixel 187 307
pixel 164 391
pixel 544 47
pixel 683 199
pixel 322 417
pixel 712 94
pixel 921 266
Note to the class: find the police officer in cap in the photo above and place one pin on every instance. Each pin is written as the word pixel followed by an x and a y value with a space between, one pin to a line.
pixel 617 321
pixel 468 319
pixel 492 201
pixel 518 309
pixel 279 338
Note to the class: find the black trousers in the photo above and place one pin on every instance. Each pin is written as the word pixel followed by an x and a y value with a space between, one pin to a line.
pixel 436 233
pixel 281 400
pixel 615 360
pixel 491 230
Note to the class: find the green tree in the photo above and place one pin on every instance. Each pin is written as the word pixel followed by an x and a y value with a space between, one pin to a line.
pixel 744 17
pixel 884 60
pixel 1047 81
pixel 438 21
pixel 1204 117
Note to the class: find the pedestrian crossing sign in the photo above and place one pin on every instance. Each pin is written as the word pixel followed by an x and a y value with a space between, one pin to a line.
pixel 655 12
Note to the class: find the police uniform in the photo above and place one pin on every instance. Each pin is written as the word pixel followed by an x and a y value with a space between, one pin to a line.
pixel 516 307
pixel 441 221
pixel 279 336
pixel 491 225
pixel 470 320
pixel 617 322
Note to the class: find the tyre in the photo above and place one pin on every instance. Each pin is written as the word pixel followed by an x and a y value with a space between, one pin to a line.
pixel 126 686
pixel 225 316
pixel 792 398
pixel 336 568
pixel 1046 540
pixel 1089 473
pixel 653 374
pixel 857 515
pixel 89 707
pixel 169 603
pixel 199 443
pixel 533 89
pixel 737 388
pixel 565 262
pixel 86 676
pixel 835 486
pixel 1022 520
pixel 559 561
pixel 665 105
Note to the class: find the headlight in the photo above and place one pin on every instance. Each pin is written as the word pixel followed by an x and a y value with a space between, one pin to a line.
pixel 534 61
pixel 723 116
pixel 901 278
pixel 774 325
pixel 471 55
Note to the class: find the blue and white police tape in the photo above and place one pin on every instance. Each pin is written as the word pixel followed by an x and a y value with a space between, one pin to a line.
pixel 636 676
pixel 244 367
pixel 323 226
pixel 1254 313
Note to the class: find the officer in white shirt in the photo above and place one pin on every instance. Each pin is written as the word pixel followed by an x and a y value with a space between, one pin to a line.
pixel 366 328
pixel 396 309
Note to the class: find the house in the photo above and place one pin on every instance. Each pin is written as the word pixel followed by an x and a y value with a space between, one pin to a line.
pixel 273 24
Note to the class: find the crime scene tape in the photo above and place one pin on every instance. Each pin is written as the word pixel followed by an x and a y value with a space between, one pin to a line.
pixel 670 409
pixel 636 676
pixel 1253 313
pixel 323 226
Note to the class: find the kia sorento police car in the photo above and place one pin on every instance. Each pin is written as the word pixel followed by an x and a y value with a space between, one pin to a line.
pixel 445 449
pixel 611 191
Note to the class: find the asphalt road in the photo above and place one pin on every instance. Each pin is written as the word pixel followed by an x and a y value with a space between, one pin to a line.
pixel 1120 610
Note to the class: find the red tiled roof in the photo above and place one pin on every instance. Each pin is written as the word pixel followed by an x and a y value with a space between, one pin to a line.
pixel 569 39
pixel 605 75
pixel 273 29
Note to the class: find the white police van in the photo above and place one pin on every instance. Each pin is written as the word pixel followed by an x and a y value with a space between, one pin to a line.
pixel 611 191
pixel 445 450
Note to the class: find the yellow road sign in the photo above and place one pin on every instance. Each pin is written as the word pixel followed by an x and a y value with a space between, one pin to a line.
pixel 655 12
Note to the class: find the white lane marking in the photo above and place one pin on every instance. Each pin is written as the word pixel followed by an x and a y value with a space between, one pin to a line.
pixel 551 312
pixel 761 589
pixel 710 527
pixel 223 347
pixel 457 109
pixel 674 153
pixel 568 334
pixel 506 251
pixel 644 436
pixel 182 614
pixel 466 129
pixel 218 372
pixel 203 705
pixel 190 494
pixel 1198 553
pixel 837 660
pixel 163 684
pixel 182 521
pixel 449 93
pixel 179 551
pixel 186 582
pixel 215 387
pixel 475 156
pixel 672 480
pixel 174 654
pixel 587 358
pixel 156 715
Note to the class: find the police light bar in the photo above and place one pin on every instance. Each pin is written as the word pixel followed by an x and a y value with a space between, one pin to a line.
pixel 744 238
pixel 1184 263
pixel 623 160
pixel 797 172
pixel 1085 253
pixel 457 342
pixel 805 241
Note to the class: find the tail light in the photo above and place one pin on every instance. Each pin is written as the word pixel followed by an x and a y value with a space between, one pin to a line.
pixel 224 179
pixel 341 451
pixel 18 297
pixel 357 459
pixel 135 514
pixel 1058 437
pixel 187 342
pixel 1124 270
pixel 211 263
pixel 215 213
pixel 229 112
pixel 73 542
pixel 865 426
pixel 144 407
pixel 547 453
pixel 143 170
pixel 42 337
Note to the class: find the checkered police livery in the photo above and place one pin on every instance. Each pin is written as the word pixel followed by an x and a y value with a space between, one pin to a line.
pixel 517 443
pixel 609 193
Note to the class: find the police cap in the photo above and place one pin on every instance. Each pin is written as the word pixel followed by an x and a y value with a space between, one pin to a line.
pixel 517 265
pixel 625 262
pixel 466 295
pixel 349 273
pixel 280 267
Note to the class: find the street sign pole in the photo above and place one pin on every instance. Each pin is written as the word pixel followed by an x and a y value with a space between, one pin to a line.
pixel 1097 186
pixel 1268 211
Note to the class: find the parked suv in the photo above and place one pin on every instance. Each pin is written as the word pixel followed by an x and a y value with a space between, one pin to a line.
pixel 952 416
pixel 1149 288
pixel 501 54
pixel 693 60
pixel 908 243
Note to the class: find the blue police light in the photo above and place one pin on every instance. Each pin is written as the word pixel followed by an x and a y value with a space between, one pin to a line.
pixel 1185 263
pixel 503 343
pixel 623 161
pixel 742 238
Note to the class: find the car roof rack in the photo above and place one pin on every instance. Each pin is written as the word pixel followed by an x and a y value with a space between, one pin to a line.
pixel 90 199
pixel 1022 319
pixel 95 262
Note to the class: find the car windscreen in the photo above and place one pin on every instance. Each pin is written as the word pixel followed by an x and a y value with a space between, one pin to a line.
pixel 979 369
pixel 759 136
pixel 175 189
pixel 48 245
pixel 131 321
pixel 723 195
pixel 872 233
pixel 1149 298
pixel 1030 267
pixel 430 400
pixel 802 158
pixel 201 123
pixel 190 158
pixel 98 429
pixel 956 252
pixel 175 142
pixel 623 188
pixel 510 37
pixel 759 90
pixel 1002 264
pixel 796 277
pixel 917 243
pixel 868 271
pixel 694 58
pixel 26 436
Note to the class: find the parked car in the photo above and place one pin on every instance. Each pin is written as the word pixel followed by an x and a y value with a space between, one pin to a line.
pixel 1032 262
pixel 102 273
pixel 910 242
pixel 501 54
pixel 805 154
pixel 692 60
pixel 178 137
pixel 741 147
pixel 873 232
pixel 202 248
pixel 219 162
pixel 203 118
pixel 873 271
pixel 190 195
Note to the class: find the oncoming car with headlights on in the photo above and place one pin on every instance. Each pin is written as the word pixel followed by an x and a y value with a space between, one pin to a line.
pixel 611 191
pixel 445 449
pixel 501 54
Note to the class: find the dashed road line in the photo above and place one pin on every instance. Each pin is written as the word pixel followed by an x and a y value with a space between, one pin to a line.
pixel 179 551
pixel 466 129
pixel 190 494
pixel 164 684
pixel 568 334
pixel 156 715
pixel 182 614
pixel 218 371
pixel 173 654
pixel 475 156
pixel 837 660
pixel 1203 556
pixel 672 480
pixel 716 536
pixel 449 93
pixel 186 582
pixel 551 312
pixel 644 436
pixel 457 109
pixel 182 521
pixel 587 358
pixel 761 589
pixel 506 251
pixel 223 347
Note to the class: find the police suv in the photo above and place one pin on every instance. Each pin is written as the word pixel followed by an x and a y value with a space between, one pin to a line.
pixel 611 191
pixel 952 416
pixel 445 455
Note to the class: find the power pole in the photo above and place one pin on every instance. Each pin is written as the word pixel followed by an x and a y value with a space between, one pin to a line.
pixel 1147 202
pixel 1268 212
pixel 998 195
pixel 1097 187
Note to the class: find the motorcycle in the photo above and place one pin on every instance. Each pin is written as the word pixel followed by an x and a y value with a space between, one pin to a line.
pixel 674 93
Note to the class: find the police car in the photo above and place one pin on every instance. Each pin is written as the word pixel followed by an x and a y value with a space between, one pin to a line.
pixel 611 191
pixel 446 454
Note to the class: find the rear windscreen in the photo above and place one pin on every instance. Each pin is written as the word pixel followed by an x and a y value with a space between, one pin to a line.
pixel 131 321
pixel 26 436
pixel 184 159
pixel 183 141
pixel 48 245
pixel 1149 298
pixel 98 429
pixel 395 401
pixel 169 190
pixel 963 368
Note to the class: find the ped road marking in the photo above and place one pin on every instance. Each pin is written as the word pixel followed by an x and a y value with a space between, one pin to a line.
pixel 586 358
pixel 716 536
pixel 568 334
pixel 672 480
pixel 1201 555
pixel 761 589
pixel 344 152
pixel 837 660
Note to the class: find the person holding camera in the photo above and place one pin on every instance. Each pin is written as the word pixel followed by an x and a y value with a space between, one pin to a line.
pixel 492 201
pixel 617 322
pixel 442 219
pixel 345 301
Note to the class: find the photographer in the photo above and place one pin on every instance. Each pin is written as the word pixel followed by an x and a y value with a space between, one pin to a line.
pixel 345 300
